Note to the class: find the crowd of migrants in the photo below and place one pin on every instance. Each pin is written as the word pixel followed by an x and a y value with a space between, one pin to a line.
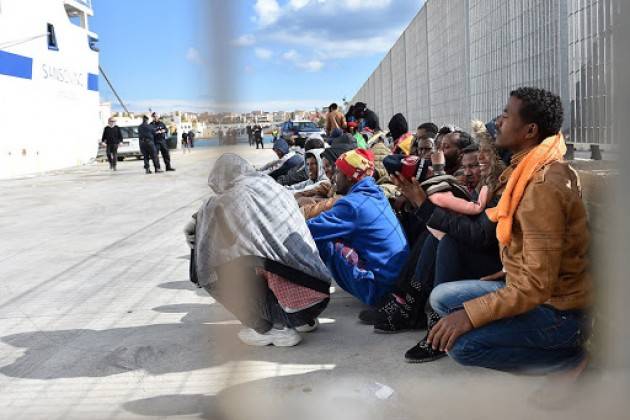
pixel 478 238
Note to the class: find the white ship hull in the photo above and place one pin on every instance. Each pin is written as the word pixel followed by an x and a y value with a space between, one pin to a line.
pixel 49 100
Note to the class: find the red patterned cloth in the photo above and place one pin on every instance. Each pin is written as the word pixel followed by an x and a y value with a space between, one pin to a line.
pixel 349 254
pixel 292 297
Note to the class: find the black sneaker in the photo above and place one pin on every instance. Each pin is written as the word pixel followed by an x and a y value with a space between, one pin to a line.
pixel 422 353
pixel 170 169
pixel 372 316
pixel 376 315
pixel 397 318
pixel 401 316
pixel 148 171
pixel 158 171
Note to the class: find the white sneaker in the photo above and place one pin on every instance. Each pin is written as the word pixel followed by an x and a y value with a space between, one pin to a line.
pixel 307 328
pixel 286 337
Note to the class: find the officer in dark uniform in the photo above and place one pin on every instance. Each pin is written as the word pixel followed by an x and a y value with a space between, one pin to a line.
pixel 147 145
pixel 191 138
pixel 159 133
pixel 258 136
pixel 250 135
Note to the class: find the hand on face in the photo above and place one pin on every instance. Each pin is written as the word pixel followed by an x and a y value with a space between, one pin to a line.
pixel 437 158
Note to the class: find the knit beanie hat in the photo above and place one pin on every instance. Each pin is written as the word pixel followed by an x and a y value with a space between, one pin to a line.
pixel 398 126
pixel 347 139
pixel 314 143
pixel 356 164
pixel 281 145
pixel 333 152
pixel 336 132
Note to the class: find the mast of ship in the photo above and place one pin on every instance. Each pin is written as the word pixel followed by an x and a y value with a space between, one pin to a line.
pixel 113 89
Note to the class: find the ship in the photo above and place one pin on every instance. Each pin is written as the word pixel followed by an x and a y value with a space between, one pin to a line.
pixel 49 97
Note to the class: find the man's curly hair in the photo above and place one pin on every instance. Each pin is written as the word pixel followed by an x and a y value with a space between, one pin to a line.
pixel 542 108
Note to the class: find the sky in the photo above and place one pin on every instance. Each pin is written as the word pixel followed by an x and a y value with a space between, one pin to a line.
pixel 243 55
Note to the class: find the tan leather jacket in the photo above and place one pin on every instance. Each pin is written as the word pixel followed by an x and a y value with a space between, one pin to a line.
pixel 546 262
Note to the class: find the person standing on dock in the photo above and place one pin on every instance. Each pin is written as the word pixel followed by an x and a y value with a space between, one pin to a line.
pixel 147 146
pixel 185 143
pixel 258 136
pixel 191 138
pixel 159 135
pixel 112 137
pixel 250 135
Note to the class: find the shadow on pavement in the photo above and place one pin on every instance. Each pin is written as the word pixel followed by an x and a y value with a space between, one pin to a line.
pixel 322 394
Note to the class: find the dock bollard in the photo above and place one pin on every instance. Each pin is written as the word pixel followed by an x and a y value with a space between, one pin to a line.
pixel 570 154
pixel 596 154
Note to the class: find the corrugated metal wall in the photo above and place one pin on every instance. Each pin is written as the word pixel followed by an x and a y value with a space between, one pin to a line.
pixel 459 59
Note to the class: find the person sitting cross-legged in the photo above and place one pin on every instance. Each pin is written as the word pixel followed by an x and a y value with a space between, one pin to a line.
pixel 359 239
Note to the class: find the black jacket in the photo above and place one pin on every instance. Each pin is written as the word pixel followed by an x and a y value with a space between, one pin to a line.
pixel 159 131
pixel 477 231
pixel 371 120
pixel 145 132
pixel 295 175
pixel 112 135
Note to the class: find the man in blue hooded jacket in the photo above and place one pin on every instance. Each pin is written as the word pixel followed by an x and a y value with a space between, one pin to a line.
pixel 287 160
pixel 360 239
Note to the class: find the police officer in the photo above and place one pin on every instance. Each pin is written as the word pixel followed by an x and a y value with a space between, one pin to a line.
pixel 258 136
pixel 250 135
pixel 147 145
pixel 159 133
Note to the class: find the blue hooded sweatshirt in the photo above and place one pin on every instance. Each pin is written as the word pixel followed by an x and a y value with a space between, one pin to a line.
pixel 364 221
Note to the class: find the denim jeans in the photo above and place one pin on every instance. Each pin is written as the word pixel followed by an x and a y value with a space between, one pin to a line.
pixel 541 340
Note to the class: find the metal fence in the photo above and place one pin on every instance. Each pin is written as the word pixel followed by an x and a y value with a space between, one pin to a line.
pixel 459 59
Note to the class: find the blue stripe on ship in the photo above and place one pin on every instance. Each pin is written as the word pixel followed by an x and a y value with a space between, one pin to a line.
pixel 16 65
pixel 92 81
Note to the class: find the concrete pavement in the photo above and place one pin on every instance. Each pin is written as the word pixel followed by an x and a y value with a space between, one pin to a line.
pixel 98 321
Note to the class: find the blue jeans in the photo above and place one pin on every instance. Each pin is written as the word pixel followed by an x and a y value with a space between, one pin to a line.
pixel 541 340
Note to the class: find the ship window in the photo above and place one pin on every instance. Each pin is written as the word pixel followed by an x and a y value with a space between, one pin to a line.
pixel 52 38
pixel 76 16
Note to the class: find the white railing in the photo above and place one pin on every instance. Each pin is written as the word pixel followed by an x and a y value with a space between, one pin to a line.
pixel 86 3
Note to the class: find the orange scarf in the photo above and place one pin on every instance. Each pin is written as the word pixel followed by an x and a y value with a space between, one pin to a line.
pixel 552 149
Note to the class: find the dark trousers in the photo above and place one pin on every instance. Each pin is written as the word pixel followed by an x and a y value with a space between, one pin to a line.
pixel 147 147
pixel 442 262
pixel 259 141
pixel 455 261
pixel 112 154
pixel 161 147
pixel 247 296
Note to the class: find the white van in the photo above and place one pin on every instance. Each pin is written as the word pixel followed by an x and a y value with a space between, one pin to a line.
pixel 130 146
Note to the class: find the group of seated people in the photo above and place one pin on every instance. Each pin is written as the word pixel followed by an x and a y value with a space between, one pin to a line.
pixel 480 239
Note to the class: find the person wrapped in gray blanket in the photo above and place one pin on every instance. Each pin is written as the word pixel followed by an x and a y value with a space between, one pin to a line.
pixel 252 252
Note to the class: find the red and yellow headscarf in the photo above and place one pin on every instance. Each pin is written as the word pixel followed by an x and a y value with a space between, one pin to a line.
pixel 356 164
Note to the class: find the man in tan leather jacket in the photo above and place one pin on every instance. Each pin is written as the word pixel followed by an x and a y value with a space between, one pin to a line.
pixel 534 318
